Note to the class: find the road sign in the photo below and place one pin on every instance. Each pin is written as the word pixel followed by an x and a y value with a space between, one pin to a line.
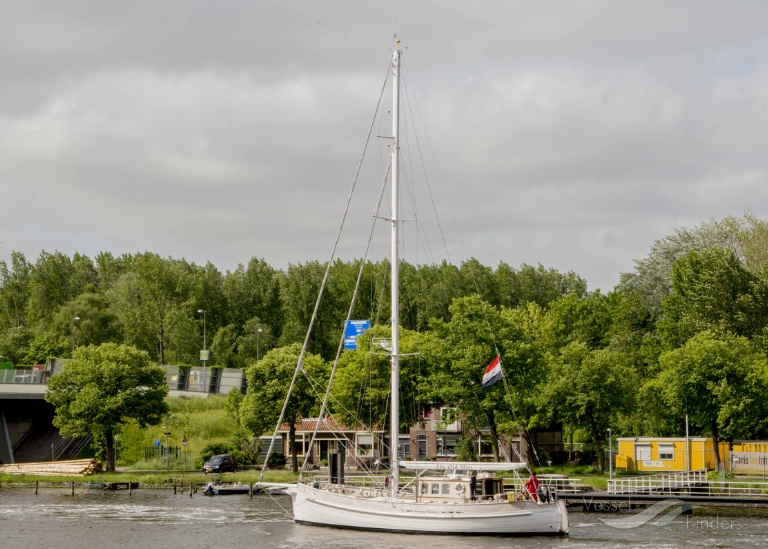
pixel 157 444
pixel 352 329
pixel 204 355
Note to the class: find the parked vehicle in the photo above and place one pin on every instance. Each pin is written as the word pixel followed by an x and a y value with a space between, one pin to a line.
pixel 220 464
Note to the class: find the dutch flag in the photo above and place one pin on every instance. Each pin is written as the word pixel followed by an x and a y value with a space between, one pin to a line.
pixel 492 373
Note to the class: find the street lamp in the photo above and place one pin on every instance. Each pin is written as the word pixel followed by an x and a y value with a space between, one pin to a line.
pixel 167 451
pixel 76 319
pixel 204 354
pixel 610 455
pixel 258 336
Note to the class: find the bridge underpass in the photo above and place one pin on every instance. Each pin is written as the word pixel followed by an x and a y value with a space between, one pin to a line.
pixel 26 423
pixel 27 433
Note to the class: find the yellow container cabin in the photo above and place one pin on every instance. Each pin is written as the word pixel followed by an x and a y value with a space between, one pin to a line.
pixel 668 454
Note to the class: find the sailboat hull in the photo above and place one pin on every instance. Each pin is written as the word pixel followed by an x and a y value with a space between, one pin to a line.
pixel 321 507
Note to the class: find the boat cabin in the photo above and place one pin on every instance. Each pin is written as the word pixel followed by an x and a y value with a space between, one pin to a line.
pixel 457 487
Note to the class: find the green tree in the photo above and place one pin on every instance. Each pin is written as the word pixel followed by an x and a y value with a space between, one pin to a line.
pixel 233 403
pixel 536 284
pixel 149 297
pixel 254 291
pixel 268 382
pixel 713 291
pixel 720 382
pixel 104 387
pixel 14 291
pixel 14 343
pixel 43 346
pixel 586 319
pixel 525 337
pixel 50 286
pixel 589 390
pixel 652 277
pixel 458 351
pixel 224 347
pixel 97 323
pixel 361 386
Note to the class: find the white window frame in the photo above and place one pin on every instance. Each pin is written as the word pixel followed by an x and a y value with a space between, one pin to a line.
pixel 666 449
pixel 642 451
pixel 365 448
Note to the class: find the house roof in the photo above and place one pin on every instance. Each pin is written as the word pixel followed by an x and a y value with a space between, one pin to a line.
pixel 309 424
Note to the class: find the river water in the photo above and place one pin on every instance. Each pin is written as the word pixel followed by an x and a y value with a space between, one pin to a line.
pixel 92 519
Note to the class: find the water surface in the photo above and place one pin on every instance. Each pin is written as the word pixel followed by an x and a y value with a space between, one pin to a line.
pixel 94 519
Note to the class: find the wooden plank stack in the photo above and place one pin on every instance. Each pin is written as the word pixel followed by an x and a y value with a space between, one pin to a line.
pixel 73 467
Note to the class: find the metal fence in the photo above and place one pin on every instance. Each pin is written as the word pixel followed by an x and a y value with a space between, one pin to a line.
pixel 23 376
pixel 692 483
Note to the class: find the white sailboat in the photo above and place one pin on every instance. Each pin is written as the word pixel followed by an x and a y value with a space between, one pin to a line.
pixel 436 504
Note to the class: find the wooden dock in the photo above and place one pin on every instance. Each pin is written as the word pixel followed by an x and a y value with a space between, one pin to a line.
pixel 689 488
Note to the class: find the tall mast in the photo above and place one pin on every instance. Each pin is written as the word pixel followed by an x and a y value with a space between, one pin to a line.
pixel 395 358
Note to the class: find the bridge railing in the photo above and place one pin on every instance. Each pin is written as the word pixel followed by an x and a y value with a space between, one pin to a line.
pixel 188 379
pixel 23 376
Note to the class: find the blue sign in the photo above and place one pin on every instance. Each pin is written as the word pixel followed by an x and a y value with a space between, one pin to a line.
pixel 157 444
pixel 352 329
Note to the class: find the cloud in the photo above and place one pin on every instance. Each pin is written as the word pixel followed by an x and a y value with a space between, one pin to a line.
pixel 572 135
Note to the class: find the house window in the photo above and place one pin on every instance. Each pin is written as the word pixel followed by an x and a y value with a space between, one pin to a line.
pixel 485 446
pixel 364 445
pixel 302 445
pixel 405 447
pixel 448 415
pixel 666 451
pixel 446 445
pixel 421 441
pixel 642 452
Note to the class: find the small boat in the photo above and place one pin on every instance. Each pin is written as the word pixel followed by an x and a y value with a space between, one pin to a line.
pixel 237 488
pixel 214 489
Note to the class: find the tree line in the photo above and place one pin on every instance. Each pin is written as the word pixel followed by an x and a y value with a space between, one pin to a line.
pixel 684 334
pixel 154 303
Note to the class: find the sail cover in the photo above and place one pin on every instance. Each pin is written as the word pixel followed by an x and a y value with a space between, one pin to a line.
pixel 460 465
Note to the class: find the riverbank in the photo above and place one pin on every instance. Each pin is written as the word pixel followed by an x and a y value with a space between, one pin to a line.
pixel 150 479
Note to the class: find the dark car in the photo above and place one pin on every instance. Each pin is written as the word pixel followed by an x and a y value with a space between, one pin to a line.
pixel 220 464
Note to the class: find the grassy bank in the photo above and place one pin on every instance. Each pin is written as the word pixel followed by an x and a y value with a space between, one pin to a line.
pixel 202 420
pixel 148 479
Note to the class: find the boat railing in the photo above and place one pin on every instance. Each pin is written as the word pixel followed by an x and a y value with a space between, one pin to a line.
pixel 554 485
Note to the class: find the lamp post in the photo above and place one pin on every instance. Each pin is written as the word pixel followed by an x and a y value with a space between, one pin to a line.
pixel 76 319
pixel 167 449
pixel 204 354
pixel 610 455
pixel 258 337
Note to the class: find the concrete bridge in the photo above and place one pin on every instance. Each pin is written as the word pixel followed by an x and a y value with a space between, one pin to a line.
pixel 26 419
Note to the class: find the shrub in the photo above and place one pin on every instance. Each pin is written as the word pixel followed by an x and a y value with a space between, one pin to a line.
pixel 214 449
pixel 277 460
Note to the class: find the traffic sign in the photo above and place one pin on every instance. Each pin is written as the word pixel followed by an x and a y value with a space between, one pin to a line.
pixel 352 329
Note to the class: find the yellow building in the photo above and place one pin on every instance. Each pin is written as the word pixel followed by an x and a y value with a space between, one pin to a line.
pixel 668 454
pixel 749 457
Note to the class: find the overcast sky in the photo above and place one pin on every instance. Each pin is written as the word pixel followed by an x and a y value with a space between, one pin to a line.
pixel 571 134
